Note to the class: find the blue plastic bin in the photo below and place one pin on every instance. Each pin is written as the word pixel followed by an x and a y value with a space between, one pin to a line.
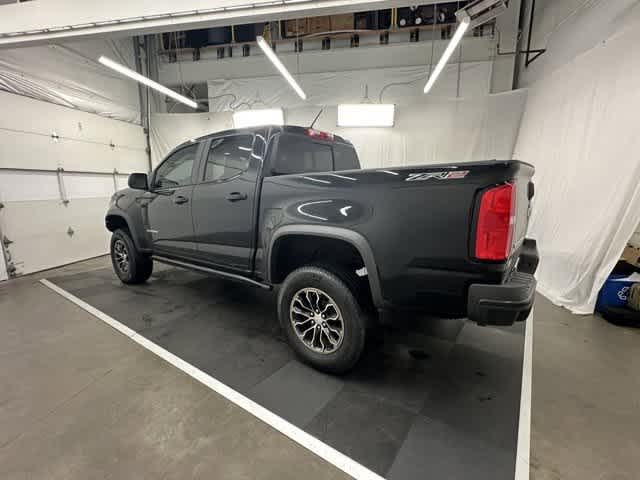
pixel 614 292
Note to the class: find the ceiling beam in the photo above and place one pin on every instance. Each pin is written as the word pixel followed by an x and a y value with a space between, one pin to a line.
pixel 32 23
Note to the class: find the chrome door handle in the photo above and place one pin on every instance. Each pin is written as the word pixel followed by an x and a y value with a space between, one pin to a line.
pixel 179 200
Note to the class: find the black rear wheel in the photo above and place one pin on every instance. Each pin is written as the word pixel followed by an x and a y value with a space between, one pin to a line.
pixel 130 265
pixel 322 319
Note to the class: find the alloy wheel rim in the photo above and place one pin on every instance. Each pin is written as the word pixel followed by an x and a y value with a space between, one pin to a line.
pixel 316 320
pixel 121 256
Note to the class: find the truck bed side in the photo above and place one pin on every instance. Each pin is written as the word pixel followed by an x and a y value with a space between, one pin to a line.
pixel 419 223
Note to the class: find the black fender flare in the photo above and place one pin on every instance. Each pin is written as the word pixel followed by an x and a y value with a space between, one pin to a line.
pixel 138 238
pixel 358 241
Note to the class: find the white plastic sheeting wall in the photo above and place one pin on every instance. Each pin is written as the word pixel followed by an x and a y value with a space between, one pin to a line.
pixel 70 75
pixel 580 130
pixel 400 52
pixel 567 28
pixel 3 266
pixel 435 130
pixel 399 85
pixel 44 230
pixel 635 238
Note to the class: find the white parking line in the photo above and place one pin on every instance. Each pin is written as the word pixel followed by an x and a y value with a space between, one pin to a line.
pixel 524 425
pixel 321 449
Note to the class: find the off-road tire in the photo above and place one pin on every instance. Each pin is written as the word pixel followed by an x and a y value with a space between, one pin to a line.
pixel 138 266
pixel 354 319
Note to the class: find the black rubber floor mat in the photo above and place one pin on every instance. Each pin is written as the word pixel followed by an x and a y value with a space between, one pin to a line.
pixel 430 399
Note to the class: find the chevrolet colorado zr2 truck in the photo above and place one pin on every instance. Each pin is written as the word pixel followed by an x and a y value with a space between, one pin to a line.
pixel 290 207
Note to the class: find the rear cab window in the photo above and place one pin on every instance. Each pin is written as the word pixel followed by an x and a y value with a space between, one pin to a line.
pixel 301 154
pixel 345 157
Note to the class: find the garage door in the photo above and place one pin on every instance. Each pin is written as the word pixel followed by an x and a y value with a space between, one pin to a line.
pixel 58 169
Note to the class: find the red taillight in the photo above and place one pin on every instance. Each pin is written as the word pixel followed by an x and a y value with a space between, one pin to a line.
pixel 319 135
pixel 496 219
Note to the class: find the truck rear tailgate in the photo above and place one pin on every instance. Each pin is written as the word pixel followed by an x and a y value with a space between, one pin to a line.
pixel 425 231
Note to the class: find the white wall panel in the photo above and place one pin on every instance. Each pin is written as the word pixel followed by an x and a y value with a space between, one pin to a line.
pixel 123 181
pixel 79 185
pixel 28 186
pixel 39 229
pixel 86 142
pixel 35 116
pixel 26 150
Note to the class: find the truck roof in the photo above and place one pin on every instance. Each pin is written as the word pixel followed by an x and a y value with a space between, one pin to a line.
pixel 272 129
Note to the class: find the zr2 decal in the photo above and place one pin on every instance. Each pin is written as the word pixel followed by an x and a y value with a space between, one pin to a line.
pixel 418 177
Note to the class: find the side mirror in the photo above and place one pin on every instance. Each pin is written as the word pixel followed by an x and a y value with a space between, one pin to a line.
pixel 138 181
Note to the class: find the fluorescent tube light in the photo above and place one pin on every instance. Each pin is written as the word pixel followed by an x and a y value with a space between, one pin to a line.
pixel 366 115
pixel 464 24
pixel 107 62
pixel 257 118
pixel 271 55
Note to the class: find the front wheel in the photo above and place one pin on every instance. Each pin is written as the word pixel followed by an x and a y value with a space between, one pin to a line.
pixel 130 265
pixel 322 319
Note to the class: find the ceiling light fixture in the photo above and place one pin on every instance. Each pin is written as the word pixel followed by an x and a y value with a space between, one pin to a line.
pixel 107 62
pixel 271 55
pixel 464 24
pixel 482 11
pixel 366 115
pixel 258 118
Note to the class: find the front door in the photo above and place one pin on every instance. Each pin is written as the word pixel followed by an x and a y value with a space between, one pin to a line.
pixel 223 203
pixel 168 210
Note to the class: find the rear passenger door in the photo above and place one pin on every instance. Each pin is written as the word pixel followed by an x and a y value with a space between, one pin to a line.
pixel 224 201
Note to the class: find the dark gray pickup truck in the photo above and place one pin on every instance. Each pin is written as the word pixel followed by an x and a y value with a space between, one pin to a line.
pixel 290 206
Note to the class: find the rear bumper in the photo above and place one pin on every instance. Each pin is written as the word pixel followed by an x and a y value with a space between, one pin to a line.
pixel 509 302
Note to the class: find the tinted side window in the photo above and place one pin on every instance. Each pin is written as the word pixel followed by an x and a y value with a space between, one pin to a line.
pixel 301 155
pixel 176 169
pixel 228 157
pixel 345 157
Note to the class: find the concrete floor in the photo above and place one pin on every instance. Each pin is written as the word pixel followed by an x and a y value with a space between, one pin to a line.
pixel 585 397
pixel 450 411
pixel 79 400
